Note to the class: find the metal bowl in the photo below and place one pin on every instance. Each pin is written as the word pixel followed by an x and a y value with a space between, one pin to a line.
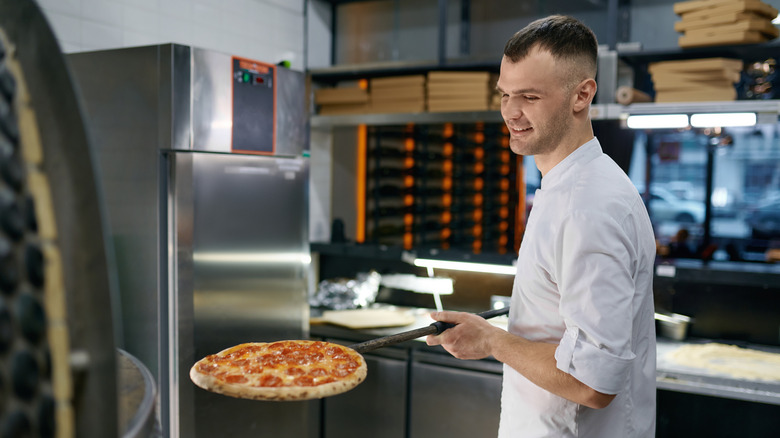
pixel 673 325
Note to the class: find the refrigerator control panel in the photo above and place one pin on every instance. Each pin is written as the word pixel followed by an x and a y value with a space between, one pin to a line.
pixel 254 107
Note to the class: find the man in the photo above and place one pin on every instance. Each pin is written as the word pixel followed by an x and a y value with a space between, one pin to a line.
pixel 579 353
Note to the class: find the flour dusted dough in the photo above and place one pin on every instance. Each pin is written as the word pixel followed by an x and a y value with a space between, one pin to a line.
pixel 734 361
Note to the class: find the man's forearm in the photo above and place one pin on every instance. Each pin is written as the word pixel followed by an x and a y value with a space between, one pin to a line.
pixel 536 361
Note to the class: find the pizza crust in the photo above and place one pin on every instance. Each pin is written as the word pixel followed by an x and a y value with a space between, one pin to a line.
pixel 250 391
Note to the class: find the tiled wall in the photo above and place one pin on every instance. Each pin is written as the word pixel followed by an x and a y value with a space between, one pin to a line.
pixel 265 30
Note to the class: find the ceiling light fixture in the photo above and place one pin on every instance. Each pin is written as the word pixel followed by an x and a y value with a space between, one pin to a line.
pixel 723 120
pixel 657 121
pixel 466 266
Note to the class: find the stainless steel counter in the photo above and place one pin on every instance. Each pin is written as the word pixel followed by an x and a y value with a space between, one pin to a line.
pixel 402 395
pixel 670 377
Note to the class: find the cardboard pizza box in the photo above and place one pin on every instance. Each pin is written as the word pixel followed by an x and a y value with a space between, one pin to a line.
pixel 456 105
pixel 696 65
pixel 340 95
pixel 692 85
pixel 742 37
pixel 399 106
pixel 708 95
pixel 459 76
pixel 459 100
pixel 754 6
pixel 396 93
pixel 763 26
pixel 683 7
pixel 733 17
pixel 458 94
pixel 397 81
pixel 709 75
pixel 455 86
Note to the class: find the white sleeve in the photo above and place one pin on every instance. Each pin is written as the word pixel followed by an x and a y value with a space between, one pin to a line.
pixel 594 261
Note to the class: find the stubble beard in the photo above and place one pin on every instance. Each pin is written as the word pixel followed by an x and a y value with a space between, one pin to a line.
pixel 547 136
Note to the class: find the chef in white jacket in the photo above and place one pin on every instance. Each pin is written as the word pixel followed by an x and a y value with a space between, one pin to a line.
pixel 579 353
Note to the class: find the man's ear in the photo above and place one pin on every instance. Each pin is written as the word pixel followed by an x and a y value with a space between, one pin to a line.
pixel 585 91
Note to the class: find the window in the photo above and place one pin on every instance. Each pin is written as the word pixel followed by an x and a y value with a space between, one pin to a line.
pixel 744 198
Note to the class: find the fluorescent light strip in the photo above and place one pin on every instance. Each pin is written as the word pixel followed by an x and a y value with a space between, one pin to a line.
pixel 466 266
pixel 251 258
pixel 657 121
pixel 723 120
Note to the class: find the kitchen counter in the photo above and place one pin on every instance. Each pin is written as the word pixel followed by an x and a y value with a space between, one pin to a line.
pixel 673 377
pixel 670 377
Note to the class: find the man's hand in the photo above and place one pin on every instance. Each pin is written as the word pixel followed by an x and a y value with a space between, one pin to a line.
pixel 475 338
pixel 469 339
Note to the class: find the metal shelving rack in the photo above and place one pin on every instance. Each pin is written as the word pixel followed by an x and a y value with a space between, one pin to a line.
pixel 449 186
pixel 767 111
pixel 618 12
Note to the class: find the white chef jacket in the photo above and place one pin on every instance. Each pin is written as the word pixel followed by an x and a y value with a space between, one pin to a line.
pixel 584 281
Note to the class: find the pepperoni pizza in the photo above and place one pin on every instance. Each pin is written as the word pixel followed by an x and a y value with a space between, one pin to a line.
pixel 283 370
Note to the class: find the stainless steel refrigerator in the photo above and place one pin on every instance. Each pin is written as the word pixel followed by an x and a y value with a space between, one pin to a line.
pixel 203 163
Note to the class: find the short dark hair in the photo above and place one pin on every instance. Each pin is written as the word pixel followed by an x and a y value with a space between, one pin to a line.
pixel 565 37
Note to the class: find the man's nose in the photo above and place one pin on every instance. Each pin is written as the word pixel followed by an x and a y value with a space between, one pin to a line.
pixel 511 109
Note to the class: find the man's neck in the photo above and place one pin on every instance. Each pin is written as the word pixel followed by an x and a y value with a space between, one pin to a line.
pixel 546 162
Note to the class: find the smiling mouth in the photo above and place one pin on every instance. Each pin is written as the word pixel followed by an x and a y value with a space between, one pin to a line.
pixel 518 131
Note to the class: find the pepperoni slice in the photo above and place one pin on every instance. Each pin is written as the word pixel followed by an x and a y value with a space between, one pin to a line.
pixel 344 369
pixel 207 367
pixel 318 372
pixel 315 356
pixel 300 360
pixel 249 349
pixel 235 378
pixel 341 372
pixel 340 356
pixel 270 380
pixel 220 359
pixel 242 362
pixel 271 360
pixel 331 351
pixel 351 365
pixel 295 371
pixel 304 381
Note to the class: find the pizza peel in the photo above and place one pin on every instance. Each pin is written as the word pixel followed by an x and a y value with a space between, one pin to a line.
pixel 432 329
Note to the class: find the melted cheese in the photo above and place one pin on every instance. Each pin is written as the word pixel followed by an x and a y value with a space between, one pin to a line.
pixel 294 363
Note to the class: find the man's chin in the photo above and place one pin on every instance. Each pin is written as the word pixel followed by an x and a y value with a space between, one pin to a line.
pixel 520 147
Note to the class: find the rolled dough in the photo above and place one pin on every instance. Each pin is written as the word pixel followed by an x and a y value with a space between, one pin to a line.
pixel 743 363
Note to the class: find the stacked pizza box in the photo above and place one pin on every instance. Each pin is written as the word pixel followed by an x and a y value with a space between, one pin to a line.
pixel 495 102
pixel 724 22
pixel 341 100
pixel 460 91
pixel 398 94
pixel 696 80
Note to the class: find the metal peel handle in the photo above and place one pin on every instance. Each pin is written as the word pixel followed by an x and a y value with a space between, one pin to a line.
pixel 433 329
